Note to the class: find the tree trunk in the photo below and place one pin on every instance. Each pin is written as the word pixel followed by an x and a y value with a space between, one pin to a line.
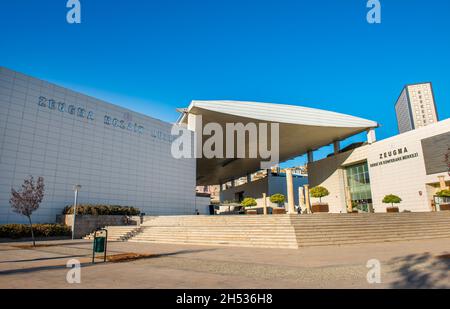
pixel 32 233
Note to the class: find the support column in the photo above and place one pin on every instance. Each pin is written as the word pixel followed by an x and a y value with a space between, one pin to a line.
pixel 265 203
pixel 442 184
pixel 307 200
pixel 336 147
pixel 301 198
pixel 348 199
pixel 371 137
pixel 290 191
pixel 310 156
pixel 249 178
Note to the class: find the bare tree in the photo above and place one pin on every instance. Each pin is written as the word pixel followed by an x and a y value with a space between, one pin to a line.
pixel 27 200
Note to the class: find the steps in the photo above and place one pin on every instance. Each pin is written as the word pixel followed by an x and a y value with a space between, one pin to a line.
pixel 289 231
pixel 248 231
pixel 335 229
pixel 118 233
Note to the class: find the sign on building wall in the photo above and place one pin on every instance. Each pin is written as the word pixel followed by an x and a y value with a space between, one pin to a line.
pixel 394 155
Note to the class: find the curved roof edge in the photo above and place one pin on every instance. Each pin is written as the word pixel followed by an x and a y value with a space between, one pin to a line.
pixel 282 113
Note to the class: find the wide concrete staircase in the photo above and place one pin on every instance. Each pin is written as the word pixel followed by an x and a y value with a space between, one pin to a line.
pixel 285 231
pixel 341 229
pixel 118 233
pixel 248 231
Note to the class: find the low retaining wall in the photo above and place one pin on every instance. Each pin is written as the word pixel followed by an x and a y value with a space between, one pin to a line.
pixel 86 224
pixel 28 239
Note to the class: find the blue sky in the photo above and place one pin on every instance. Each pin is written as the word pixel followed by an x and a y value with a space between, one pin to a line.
pixel 154 56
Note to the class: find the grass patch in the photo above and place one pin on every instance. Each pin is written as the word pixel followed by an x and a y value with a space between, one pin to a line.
pixel 127 257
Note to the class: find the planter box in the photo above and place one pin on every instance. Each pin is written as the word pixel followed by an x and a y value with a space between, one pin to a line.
pixel 445 206
pixel 320 208
pixel 278 211
pixel 392 209
pixel 251 212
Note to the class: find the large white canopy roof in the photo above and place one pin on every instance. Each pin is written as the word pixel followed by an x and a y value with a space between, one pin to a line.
pixel 301 129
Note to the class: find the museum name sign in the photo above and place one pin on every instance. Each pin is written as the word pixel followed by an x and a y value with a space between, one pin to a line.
pixel 89 115
pixel 393 156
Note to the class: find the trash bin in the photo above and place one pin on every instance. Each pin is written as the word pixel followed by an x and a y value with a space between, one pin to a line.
pixel 99 244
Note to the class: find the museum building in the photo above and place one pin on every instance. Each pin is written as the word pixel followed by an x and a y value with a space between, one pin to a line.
pixel 118 156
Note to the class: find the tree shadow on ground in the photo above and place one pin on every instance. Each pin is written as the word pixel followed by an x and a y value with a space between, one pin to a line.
pixel 88 264
pixel 44 259
pixel 422 271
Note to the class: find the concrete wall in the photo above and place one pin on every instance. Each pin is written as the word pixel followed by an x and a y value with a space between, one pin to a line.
pixel 202 204
pixel 86 224
pixel 253 189
pixel 329 173
pixel 389 171
pixel 118 156
pixel 278 185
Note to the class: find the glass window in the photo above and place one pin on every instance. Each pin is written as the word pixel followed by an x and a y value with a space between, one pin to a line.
pixel 358 181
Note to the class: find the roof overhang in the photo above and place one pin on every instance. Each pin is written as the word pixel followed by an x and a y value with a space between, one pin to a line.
pixel 300 129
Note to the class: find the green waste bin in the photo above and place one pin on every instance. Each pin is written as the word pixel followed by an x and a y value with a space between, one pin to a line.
pixel 99 244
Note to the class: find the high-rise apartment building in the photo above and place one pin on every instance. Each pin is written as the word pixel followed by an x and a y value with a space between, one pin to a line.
pixel 415 107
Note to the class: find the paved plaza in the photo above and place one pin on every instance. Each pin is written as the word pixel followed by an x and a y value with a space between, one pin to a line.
pixel 411 264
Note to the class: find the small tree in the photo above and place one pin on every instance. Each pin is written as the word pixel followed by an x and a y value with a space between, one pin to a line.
pixel 319 192
pixel 248 202
pixel 391 199
pixel 277 198
pixel 27 200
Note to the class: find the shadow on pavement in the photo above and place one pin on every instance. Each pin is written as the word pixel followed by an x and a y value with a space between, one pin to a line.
pixel 52 267
pixel 38 268
pixel 422 271
pixel 44 259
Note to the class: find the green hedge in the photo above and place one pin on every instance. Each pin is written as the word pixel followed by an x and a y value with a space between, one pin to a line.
pixel 40 230
pixel 98 210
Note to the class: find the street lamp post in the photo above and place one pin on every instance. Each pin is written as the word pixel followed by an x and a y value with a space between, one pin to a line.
pixel 76 188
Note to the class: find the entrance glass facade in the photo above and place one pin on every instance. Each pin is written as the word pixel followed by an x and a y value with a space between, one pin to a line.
pixel 358 182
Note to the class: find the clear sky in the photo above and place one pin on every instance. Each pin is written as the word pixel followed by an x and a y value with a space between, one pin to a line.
pixel 153 56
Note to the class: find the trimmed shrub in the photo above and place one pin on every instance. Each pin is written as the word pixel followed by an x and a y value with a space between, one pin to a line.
pixel 443 193
pixel 102 210
pixel 248 202
pixel 40 230
pixel 319 192
pixel 277 198
pixel 391 199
